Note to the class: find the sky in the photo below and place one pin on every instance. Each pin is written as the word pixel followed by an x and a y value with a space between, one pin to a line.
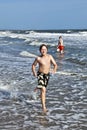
pixel 43 14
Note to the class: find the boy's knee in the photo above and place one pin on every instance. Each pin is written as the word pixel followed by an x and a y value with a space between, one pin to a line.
pixel 43 89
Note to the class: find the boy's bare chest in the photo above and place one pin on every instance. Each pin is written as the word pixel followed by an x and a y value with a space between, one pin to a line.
pixel 44 61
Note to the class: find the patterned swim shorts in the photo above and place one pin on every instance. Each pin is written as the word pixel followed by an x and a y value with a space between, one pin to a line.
pixel 42 79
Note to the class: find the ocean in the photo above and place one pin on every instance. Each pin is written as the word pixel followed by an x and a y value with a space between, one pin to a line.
pixel 66 96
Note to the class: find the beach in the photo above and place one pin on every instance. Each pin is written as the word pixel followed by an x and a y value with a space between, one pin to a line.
pixel 66 97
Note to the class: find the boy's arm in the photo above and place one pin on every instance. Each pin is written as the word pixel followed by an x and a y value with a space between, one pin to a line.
pixel 54 64
pixel 34 67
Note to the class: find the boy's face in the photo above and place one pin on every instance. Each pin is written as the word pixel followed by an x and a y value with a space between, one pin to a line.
pixel 43 50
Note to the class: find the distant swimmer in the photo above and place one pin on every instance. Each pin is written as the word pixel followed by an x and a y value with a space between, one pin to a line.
pixel 44 61
pixel 60 47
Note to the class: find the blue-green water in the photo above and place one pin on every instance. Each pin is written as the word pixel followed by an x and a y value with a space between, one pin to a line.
pixel 67 90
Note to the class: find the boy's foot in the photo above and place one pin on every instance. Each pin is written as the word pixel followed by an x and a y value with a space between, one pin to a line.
pixel 35 89
pixel 45 110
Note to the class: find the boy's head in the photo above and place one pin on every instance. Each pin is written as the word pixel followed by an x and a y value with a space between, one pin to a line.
pixel 42 47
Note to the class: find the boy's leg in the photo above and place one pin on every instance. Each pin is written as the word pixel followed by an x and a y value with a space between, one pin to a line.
pixel 43 98
pixel 35 89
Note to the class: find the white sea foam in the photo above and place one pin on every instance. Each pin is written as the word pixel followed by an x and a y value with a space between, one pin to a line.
pixel 80 75
pixel 4 87
pixel 25 53
pixel 33 37
pixel 65 73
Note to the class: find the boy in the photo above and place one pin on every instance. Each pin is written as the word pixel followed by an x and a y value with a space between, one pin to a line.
pixel 44 61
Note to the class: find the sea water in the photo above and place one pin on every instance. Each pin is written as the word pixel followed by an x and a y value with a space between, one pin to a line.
pixel 66 96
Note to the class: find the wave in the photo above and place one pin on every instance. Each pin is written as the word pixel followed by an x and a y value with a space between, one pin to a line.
pixel 4 87
pixel 27 54
pixel 81 75
pixel 78 61
pixel 38 37
pixel 66 73
pixel 30 34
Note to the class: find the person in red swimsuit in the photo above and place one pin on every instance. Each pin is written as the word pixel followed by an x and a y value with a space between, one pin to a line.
pixel 60 47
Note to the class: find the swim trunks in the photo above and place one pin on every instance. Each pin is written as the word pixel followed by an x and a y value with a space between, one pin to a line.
pixel 42 79
pixel 61 47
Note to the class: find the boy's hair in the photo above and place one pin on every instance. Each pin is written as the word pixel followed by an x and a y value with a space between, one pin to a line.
pixel 42 46
pixel 60 36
